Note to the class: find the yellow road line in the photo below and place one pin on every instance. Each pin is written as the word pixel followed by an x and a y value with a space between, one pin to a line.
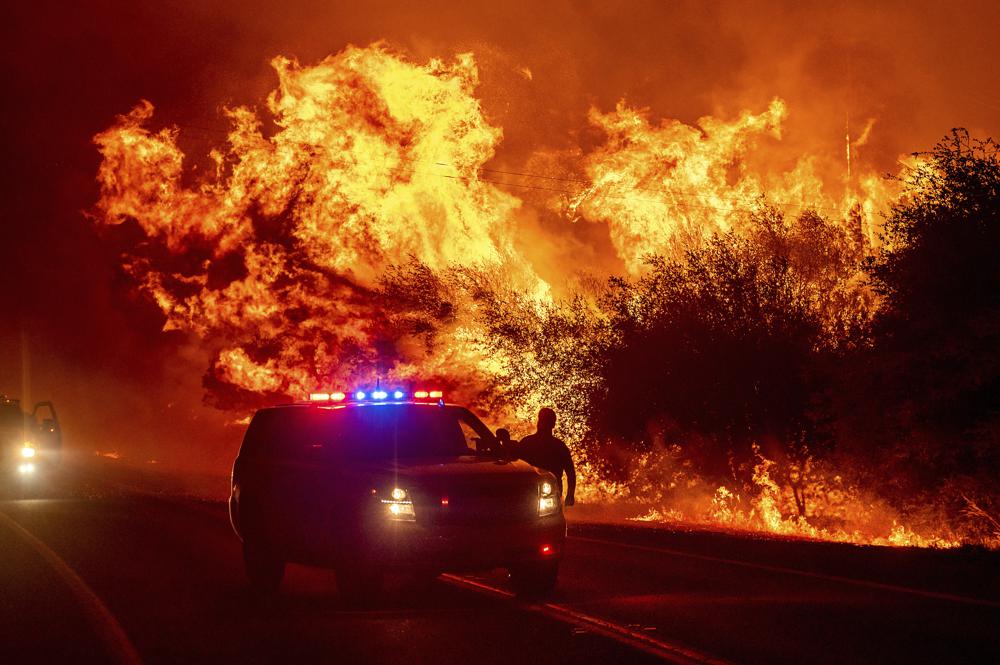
pixel 104 624
pixel 667 651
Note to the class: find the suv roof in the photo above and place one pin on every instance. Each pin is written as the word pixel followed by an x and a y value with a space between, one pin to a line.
pixel 328 432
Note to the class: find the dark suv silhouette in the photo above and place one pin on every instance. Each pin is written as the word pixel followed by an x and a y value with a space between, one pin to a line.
pixel 368 487
pixel 28 441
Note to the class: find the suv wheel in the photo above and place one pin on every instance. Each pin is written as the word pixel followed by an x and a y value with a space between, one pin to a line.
pixel 264 569
pixel 534 579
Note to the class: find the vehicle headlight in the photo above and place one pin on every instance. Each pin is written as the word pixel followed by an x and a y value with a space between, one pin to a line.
pixel 399 507
pixel 26 468
pixel 548 500
pixel 27 451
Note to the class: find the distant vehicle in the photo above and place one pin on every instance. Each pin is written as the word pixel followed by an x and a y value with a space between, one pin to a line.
pixel 28 441
pixel 376 481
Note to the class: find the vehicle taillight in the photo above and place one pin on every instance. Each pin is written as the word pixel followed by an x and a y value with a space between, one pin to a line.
pixel 399 506
pixel 548 500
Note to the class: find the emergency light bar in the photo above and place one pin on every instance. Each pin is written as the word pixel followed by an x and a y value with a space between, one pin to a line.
pixel 379 395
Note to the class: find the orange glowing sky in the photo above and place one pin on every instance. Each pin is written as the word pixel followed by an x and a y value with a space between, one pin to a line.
pixel 915 69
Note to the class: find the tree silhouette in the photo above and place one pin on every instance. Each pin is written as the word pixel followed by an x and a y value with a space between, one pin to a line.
pixel 937 337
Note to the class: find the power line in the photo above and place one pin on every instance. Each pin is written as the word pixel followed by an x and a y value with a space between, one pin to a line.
pixel 585 183
pixel 677 204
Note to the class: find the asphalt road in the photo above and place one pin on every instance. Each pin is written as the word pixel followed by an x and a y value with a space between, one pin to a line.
pixel 94 571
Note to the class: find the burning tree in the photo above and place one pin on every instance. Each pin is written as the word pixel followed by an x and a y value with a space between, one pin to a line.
pixel 925 411
pixel 723 349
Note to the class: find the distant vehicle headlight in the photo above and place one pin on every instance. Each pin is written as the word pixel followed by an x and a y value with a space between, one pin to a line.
pixel 27 451
pixel 548 501
pixel 26 468
pixel 399 507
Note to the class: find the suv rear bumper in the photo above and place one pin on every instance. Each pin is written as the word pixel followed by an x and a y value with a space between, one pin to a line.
pixel 458 548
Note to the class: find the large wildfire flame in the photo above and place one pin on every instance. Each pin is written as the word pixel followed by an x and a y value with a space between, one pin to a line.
pixel 663 189
pixel 286 239
pixel 368 161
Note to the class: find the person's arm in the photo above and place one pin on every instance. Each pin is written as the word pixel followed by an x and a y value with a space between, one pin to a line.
pixel 570 479
pixel 512 450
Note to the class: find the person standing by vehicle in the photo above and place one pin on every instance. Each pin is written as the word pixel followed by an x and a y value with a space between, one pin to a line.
pixel 544 450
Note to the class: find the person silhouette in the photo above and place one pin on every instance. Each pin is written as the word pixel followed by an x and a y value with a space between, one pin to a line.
pixel 544 450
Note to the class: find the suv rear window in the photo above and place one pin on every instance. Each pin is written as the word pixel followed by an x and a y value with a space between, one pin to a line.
pixel 364 432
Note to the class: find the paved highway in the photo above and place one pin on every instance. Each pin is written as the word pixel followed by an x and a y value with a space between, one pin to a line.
pixel 94 570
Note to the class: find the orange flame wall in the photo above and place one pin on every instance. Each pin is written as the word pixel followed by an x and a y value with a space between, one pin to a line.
pixel 367 159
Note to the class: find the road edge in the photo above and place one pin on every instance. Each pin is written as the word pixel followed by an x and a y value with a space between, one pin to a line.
pixel 103 622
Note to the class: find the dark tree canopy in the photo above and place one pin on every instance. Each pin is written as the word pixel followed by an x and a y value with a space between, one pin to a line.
pixel 938 333
pixel 723 344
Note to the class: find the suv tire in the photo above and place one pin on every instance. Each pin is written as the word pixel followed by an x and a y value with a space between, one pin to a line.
pixel 534 579
pixel 264 569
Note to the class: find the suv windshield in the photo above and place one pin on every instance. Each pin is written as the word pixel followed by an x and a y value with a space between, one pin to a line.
pixel 385 432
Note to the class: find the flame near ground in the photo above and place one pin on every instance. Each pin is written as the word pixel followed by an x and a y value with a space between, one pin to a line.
pixel 367 164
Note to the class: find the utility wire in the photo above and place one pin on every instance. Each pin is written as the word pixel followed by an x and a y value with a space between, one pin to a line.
pixel 672 191
pixel 676 192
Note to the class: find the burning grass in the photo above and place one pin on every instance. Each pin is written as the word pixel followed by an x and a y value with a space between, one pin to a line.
pixel 662 488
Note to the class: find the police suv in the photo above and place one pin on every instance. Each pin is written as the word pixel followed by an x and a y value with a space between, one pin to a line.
pixel 386 480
